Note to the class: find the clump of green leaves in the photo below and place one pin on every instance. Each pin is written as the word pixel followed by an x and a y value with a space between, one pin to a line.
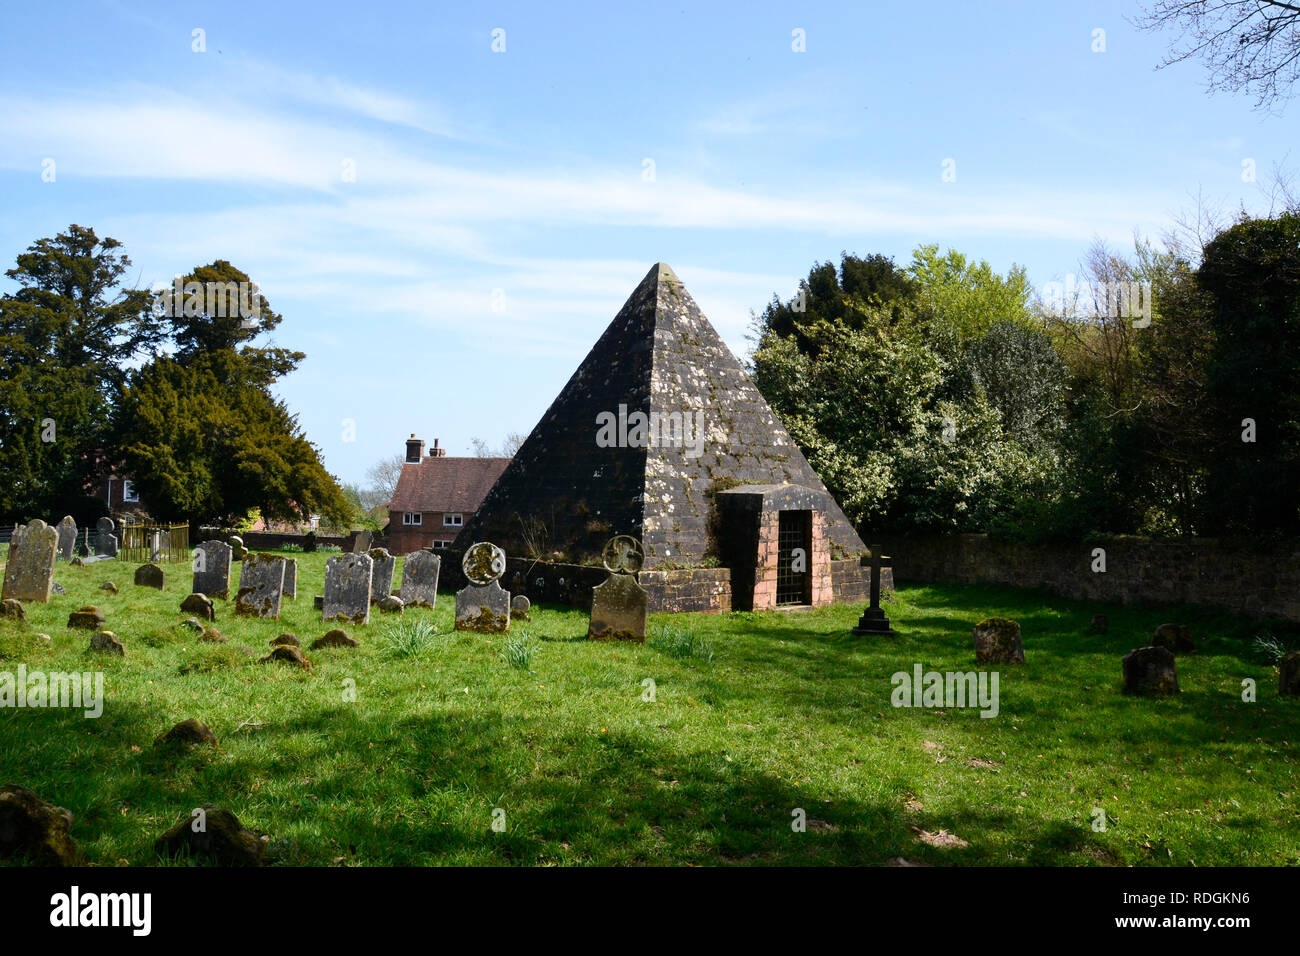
pixel 678 642
pixel 519 651
pixel 410 638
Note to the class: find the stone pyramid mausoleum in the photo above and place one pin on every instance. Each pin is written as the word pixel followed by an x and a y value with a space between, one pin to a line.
pixel 660 434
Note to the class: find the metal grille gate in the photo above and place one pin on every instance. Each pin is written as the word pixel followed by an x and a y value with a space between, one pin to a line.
pixel 794 530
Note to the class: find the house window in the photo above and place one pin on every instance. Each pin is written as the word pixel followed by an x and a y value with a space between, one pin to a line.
pixel 452 521
pixel 128 491
pixel 409 517
pixel 441 544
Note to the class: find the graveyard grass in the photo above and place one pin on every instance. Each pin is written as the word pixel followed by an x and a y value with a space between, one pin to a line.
pixel 790 712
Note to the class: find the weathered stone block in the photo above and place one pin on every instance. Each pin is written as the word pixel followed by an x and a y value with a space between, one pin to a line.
pixel 1150 672
pixel 997 641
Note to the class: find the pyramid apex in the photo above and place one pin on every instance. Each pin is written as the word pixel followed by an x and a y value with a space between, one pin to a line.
pixel 663 272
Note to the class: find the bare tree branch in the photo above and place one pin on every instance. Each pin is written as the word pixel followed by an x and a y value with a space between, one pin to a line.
pixel 1247 45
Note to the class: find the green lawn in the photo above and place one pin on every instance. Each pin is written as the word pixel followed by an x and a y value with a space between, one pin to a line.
pixel 790 712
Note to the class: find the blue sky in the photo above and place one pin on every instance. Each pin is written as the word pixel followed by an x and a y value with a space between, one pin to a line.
pixel 501 213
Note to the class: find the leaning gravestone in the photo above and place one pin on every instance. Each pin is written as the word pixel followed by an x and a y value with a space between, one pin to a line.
pixel 347 588
pixel 381 580
pixel 238 551
pixel 261 585
pixel 212 569
pixel 420 578
pixel 67 529
pixel 29 573
pixel 362 543
pixel 482 605
pixel 620 606
pixel 105 540
pixel 291 578
pixel 150 576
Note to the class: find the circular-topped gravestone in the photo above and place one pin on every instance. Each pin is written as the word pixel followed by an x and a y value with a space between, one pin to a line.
pixel 623 554
pixel 483 563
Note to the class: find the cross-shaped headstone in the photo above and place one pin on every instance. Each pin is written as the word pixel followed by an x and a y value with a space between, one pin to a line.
pixel 873 620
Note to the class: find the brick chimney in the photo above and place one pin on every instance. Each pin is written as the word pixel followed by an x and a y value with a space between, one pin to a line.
pixel 415 448
pixel 437 452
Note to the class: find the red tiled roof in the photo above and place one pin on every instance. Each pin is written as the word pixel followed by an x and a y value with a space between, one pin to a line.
pixel 446 484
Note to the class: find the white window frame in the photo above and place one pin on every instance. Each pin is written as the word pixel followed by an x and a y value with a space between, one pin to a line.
pixel 453 519
pixel 441 544
pixel 129 494
pixel 414 518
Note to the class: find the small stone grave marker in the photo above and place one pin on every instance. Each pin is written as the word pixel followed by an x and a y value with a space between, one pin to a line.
pixel 482 605
pixel 620 606
pixel 150 576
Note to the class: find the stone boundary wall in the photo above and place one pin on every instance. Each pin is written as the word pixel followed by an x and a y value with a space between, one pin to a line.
pixel 689 589
pixel 261 540
pixel 695 589
pixel 1247 577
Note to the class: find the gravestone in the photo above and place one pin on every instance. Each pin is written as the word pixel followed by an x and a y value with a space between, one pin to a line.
pixel 88 618
pixel 362 543
pixel 1288 678
pixel 1150 672
pixel 261 586
pixel 347 588
pixel 107 641
pixel 29 573
pixel 520 606
pixel 873 621
pixel 150 576
pixel 997 641
pixel 105 540
pixel 620 606
pixel 67 529
pixel 420 571
pixel 482 604
pixel 237 549
pixel 201 605
pixel 291 578
pixel 381 580
pixel 212 569
pixel 1174 637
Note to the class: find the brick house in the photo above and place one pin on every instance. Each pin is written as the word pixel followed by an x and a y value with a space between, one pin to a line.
pixel 436 496
pixel 120 495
